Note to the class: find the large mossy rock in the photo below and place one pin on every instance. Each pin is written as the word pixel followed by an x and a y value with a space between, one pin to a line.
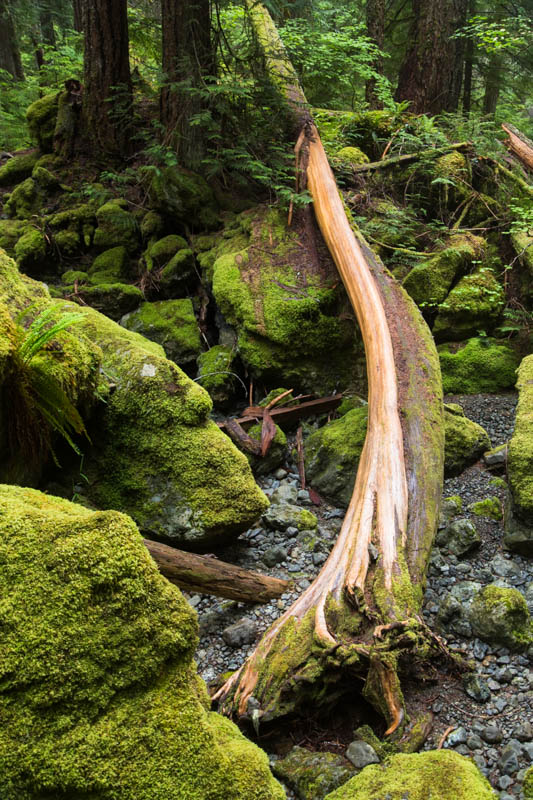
pixel 332 452
pixel 170 323
pixel 500 616
pixel 475 304
pixel 182 196
pixel 519 509
pixel 41 117
pixel 478 365
pixel 99 697
pixel 437 774
pixel 116 227
pixel 16 169
pixel 429 283
pixel 156 453
pixel 313 775
pixel 292 320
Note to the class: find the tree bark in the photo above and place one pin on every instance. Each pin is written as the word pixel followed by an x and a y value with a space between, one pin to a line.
pixel 188 59
pixel 469 64
pixel 9 50
pixel 360 618
pixel 375 27
pixel 107 97
pixel 428 75
pixel 519 144
pixel 493 84
pixel 77 10
pixel 46 21
pixel 195 573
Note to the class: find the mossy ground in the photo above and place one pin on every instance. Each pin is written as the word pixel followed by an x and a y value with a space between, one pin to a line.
pixel 478 365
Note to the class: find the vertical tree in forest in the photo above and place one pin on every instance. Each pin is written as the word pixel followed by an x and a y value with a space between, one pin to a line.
pixel 375 26
pixel 9 50
pixel 107 91
pixel 188 59
pixel 430 74
pixel 77 11
pixel 46 20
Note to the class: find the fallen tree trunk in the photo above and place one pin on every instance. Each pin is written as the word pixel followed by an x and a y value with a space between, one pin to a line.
pixel 519 144
pixel 206 575
pixel 360 619
pixel 408 158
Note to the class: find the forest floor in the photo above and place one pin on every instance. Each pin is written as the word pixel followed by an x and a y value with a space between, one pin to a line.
pixel 495 726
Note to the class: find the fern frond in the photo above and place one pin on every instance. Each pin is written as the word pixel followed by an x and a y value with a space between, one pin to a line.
pixel 38 334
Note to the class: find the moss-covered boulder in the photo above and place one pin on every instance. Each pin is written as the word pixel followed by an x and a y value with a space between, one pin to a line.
pixel 528 785
pixel 277 452
pixel 437 774
pixel 292 318
pixel 156 453
pixel 465 440
pixel 475 304
pixel 16 169
pixel 478 365
pixel 41 117
pixel 24 201
pixel 349 157
pixel 519 509
pixel 216 373
pixel 429 282
pixel 523 246
pixel 111 266
pixel 152 225
pixel 80 219
pixel 500 616
pixel 170 323
pixel 10 232
pixel 116 227
pixel 98 692
pixel 183 196
pixel 112 299
pixel 332 452
pixel 170 263
pixel 312 775
pixel 161 252
pixel 32 252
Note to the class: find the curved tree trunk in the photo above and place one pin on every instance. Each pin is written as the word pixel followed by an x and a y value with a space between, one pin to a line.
pixel 360 618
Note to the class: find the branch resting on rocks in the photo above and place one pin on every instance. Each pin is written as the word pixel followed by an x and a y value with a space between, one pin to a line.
pixel 360 618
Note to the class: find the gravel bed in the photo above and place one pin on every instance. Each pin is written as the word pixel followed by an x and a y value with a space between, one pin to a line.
pixel 495 727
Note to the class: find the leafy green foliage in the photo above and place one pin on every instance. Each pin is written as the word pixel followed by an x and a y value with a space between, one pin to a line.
pixel 42 407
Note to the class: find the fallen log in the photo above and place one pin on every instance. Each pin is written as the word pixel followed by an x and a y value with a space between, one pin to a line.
pixel 360 619
pixel 519 182
pixel 408 158
pixel 519 144
pixel 288 415
pixel 206 575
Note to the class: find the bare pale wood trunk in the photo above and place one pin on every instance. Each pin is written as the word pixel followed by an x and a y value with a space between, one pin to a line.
pixel 360 619
pixel 519 144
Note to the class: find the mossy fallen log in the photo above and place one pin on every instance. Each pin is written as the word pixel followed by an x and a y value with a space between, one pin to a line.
pixel 408 158
pixel 195 573
pixel 360 619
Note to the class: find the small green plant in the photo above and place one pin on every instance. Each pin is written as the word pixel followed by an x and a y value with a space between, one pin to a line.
pixel 40 406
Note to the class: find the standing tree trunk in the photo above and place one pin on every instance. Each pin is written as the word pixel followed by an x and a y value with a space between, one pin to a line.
pixel 428 76
pixel 9 49
pixel 375 26
pixel 77 11
pixel 188 59
pixel 469 64
pixel 493 80
pixel 46 21
pixel 107 99
pixel 360 619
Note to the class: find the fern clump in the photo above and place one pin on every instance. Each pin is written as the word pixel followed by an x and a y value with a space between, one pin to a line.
pixel 40 407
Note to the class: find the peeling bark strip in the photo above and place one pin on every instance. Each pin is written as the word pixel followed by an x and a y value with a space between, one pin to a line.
pixel 519 144
pixel 195 573
pixel 360 617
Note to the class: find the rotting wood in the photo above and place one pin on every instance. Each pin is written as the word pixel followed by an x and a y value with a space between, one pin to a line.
pixel 288 415
pixel 195 573
pixel 519 144
pixel 236 432
pixel 326 641
pixel 408 158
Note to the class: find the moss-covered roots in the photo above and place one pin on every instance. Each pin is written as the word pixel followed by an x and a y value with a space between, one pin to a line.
pixel 360 617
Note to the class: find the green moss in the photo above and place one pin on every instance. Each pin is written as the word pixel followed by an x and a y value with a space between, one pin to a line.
pixel 152 225
pixel 170 323
pixel 44 178
pixel 479 365
pixel 67 242
pixel 429 283
pixel 41 117
pixel 72 275
pixel 475 304
pixel 500 616
pixel 110 266
pixel 98 693
pixel 24 201
pixel 116 227
pixel 490 507
pixel 112 299
pixel 179 269
pixel 439 775
pixel 465 440
pixel 452 166
pixel 181 195
pixel 351 156
pixel 520 465
pixel 10 232
pixel 216 374
pixel 262 465
pixel 18 168
pixel 161 252
pixel 313 774
pixel 31 251
pixel 527 786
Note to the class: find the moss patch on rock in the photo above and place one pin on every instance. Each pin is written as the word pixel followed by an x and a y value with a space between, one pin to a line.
pixel 170 323
pixel 262 465
pixel 312 775
pixel 116 227
pixel 184 196
pixel 465 440
pixel 441 775
pixel 99 696
pixel 16 169
pixel 519 514
pixel 217 375
pixel 41 117
pixel 111 266
pixel 500 616
pixel 479 365
pixel 475 304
